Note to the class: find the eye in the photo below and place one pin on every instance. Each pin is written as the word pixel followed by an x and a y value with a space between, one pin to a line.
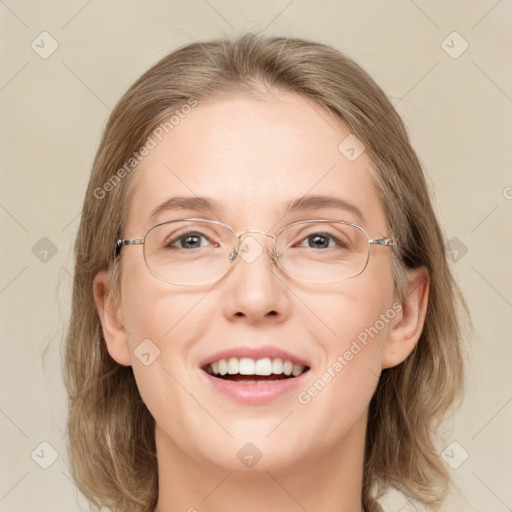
pixel 190 240
pixel 323 241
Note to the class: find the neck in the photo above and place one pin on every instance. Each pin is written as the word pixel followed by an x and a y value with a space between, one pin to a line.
pixel 330 481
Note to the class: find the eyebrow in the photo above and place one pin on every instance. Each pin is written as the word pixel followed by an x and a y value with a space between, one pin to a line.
pixel 305 203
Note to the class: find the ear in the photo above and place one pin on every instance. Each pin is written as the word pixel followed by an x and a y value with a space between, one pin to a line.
pixel 408 323
pixel 109 312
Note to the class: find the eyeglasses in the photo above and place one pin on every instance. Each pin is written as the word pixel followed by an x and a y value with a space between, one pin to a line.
pixel 200 251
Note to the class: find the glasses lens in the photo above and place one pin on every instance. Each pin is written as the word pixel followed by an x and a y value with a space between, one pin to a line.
pixel 189 252
pixel 322 251
pixel 198 251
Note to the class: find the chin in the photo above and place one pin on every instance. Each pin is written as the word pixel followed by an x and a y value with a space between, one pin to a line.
pixel 249 454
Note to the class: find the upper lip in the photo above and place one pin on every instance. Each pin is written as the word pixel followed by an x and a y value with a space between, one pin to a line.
pixel 254 353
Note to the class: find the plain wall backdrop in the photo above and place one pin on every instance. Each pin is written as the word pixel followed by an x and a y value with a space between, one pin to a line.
pixel 446 67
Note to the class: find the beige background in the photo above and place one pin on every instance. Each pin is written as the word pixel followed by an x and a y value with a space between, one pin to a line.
pixel 53 110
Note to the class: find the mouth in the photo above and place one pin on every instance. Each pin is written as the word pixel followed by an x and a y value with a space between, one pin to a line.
pixel 248 371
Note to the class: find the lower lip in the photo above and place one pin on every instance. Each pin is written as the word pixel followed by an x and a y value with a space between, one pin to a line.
pixel 255 393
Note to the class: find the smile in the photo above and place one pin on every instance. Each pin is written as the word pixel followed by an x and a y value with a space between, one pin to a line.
pixel 248 370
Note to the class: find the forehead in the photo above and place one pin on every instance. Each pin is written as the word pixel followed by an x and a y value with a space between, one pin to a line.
pixel 253 157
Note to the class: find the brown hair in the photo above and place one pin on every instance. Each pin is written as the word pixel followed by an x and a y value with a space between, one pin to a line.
pixel 111 433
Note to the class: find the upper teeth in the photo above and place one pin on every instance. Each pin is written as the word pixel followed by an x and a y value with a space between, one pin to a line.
pixel 248 366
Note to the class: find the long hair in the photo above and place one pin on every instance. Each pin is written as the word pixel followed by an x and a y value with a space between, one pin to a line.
pixel 111 441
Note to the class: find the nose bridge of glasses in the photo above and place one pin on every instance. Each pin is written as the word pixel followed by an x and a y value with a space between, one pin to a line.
pixel 248 247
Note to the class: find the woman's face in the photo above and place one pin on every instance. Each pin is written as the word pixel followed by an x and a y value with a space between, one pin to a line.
pixel 253 156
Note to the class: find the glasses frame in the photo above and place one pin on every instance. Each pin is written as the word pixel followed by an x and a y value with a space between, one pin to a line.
pixel 387 241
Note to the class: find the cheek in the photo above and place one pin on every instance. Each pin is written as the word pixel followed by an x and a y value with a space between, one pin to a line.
pixel 165 322
pixel 162 324
pixel 152 308
pixel 336 398
pixel 348 372
pixel 355 322
pixel 355 308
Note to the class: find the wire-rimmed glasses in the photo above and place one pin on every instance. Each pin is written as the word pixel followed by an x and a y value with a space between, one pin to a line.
pixel 196 251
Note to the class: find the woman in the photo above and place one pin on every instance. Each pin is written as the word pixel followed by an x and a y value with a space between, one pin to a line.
pixel 263 314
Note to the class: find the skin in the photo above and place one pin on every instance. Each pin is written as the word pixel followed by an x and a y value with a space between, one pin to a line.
pixel 253 155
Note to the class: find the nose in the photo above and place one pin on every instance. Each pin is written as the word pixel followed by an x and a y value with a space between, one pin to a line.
pixel 255 288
